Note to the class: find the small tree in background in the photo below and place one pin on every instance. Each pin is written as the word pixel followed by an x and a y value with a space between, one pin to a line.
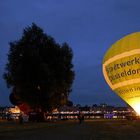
pixel 39 70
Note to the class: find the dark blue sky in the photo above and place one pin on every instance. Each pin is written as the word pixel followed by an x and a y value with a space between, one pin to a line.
pixel 89 26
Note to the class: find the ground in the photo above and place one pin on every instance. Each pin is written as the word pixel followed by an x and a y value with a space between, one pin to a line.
pixel 72 130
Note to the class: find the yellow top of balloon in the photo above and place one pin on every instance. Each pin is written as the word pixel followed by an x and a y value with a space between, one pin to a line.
pixel 121 69
pixel 127 43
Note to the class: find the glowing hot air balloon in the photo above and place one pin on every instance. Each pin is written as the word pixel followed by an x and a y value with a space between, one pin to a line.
pixel 121 69
pixel 25 108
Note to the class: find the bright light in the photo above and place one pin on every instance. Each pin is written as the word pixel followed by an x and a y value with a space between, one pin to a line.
pixel 135 104
pixel 137 108
pixel 14 109
pixel 134 101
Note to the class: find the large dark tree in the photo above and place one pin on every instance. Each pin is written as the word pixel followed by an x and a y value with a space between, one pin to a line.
pixel 39 70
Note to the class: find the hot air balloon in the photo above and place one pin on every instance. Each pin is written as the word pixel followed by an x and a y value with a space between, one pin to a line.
pixel 121 69
pixel 25 108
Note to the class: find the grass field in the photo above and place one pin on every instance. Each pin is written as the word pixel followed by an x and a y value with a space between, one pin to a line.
pixel 71 130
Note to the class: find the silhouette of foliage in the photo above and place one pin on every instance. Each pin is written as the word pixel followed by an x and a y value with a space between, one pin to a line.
pixel 39 70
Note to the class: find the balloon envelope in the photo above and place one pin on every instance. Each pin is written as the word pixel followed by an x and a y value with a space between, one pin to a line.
pixel 25 108
pixel 121 69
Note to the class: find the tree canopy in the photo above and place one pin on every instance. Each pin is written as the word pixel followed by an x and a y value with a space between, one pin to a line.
pixel 39 70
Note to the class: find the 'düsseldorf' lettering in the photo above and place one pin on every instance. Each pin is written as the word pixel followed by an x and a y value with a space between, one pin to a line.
pixel 124 74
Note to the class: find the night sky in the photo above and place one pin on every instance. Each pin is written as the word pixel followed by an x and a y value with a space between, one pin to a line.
pixel 90 27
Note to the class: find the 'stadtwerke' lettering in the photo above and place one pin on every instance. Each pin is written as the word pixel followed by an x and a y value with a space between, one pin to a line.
pixel 123 64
